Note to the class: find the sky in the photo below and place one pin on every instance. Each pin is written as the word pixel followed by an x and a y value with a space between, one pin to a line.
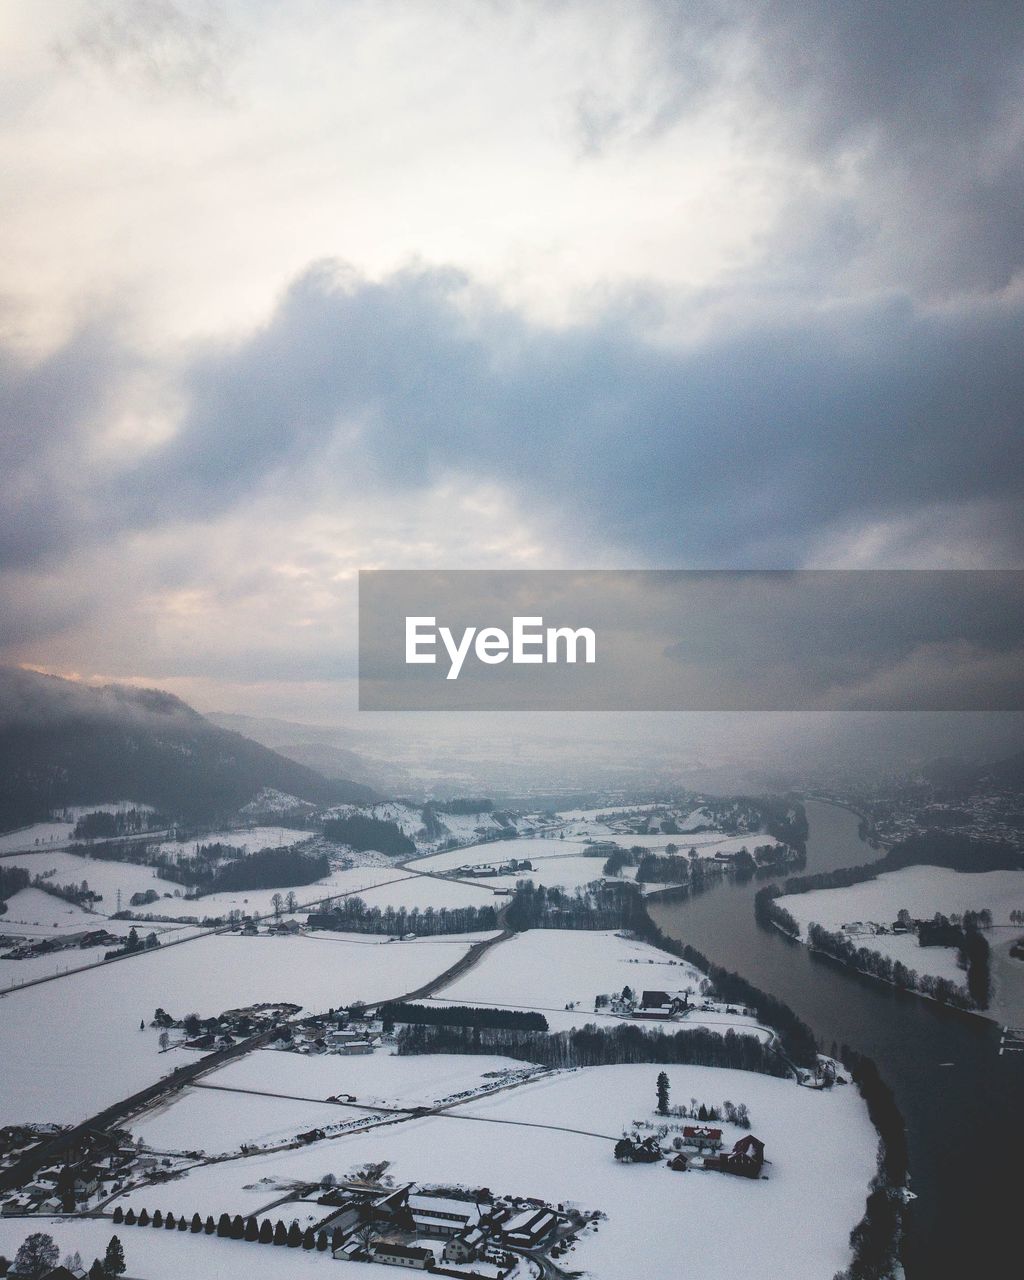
pixel 288 291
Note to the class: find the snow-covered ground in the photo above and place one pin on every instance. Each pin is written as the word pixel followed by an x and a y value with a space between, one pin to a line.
pixel 380 1079
pixel 429 891
pixel 529 848
pixel 73 1046
pixel 236 1104
pixel 31 913
pixel 252 839
pixel 536 849
pixel 550 968
pixel 568 872
pixel 37 836
pixel 923 891
pixel 170 1255
pixel 107 878
pixel 821 1147
pixel 216 1122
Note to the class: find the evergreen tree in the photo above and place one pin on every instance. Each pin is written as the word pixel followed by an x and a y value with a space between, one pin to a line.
pixel 210 1226
pixel 294 1236
pixel 113 1260
pixel 252 1230
pixel 663 1088
pixel 309 1239
pixel 197 1224
pixel 280 1233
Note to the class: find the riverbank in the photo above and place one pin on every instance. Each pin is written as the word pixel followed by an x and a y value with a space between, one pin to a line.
pixel 953 1088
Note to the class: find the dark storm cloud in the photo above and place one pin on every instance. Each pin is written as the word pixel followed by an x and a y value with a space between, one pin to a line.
pixel 924 94
pixel 750 446
pixel 46 412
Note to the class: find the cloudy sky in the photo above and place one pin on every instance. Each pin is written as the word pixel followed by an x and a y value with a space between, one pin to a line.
pixel 293 290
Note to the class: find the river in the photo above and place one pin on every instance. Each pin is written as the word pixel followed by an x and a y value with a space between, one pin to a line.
pixel 960 1099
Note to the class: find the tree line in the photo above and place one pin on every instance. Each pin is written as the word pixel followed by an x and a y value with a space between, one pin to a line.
pixel 103 825
pixel 398 1011
pixel 841 946
pixel 234 1228
pixel 352 915
pixel 593 1046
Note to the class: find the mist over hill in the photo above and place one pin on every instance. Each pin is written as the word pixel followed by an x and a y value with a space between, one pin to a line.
pixel 67 743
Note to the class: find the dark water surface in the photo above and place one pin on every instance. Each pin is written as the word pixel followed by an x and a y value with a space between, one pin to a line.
pixel 965 1121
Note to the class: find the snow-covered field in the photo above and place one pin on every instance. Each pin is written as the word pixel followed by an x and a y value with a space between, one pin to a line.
pixel 382 1079
pixel 39 835
pixel 529 848
pixel 215 1122
pixel 522 1142
pixel 428 891
pixel 550 968
pixel 215 1119
pixel 31 913
pixel 170 1255
pixel 923 891
pixel 107 878
pixel 251 839
pixel 537 849
pixel 565 873
pixel 73 1046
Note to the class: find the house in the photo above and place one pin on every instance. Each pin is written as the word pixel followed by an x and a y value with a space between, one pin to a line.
pixel 702 1137
pixel 354 1047
pixel 527 1229
pixel 745 1159
pixel 466 1247
pixel 654 1004
pixel 415 1256
pixel 344 1036
pixel 679 1163
pixel 442 1216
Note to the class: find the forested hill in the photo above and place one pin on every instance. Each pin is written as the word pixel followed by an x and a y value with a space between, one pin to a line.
pixel 62 742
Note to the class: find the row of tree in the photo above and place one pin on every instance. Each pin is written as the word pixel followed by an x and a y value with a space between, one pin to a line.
pixel 843 948
pixel 593 1046
pixel 231 1228
pixel 352 915
pixel 460 1016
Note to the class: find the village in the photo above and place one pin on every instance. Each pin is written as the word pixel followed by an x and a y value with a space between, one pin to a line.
pixel 418 1105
